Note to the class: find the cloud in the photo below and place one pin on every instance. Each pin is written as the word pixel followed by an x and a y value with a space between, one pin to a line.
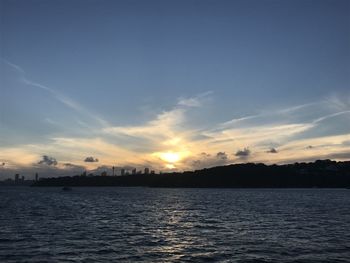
pixel 172 130
pixel 72 165
pixel 167 129
pixel 196 101
pixel 48 160
pixel 243 153
pixel 338 155
pixel 272 150
pixel 221 155
pixel 196 163
pixel 90 159
pixel 346 143
pixel 65 100
pixel 191 102
pixel 205 160
pixel 165 123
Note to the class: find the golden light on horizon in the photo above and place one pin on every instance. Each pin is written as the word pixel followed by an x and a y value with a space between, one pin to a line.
pixel 170 166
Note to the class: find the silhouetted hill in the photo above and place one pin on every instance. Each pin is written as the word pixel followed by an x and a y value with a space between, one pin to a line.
pixel 321 173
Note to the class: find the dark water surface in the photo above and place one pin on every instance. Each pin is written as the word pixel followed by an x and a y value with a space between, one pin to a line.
pixel 174 225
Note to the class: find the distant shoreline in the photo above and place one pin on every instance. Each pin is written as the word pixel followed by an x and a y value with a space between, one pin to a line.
pixel 318 174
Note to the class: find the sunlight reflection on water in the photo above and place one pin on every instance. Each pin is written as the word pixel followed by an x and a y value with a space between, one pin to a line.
pixel 169 225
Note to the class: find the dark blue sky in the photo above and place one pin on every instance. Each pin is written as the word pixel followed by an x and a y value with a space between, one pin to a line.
pixel 123 63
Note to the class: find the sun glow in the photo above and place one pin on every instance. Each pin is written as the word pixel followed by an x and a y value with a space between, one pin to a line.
pixel 170 166
pixel 170 157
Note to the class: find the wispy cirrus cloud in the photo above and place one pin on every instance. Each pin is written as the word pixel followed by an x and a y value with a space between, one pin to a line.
pixel 196 101
pixel 65 100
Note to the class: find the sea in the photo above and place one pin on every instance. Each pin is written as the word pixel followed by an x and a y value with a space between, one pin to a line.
pixel 121 224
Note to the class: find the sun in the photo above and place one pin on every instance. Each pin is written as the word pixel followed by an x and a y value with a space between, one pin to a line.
pixel 170 157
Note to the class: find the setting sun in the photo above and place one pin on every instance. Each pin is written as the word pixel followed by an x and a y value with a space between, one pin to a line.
pixel 170 157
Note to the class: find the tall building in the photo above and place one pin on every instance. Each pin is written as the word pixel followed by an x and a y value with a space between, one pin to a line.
pixel 122 171
pixel 36 177
pixel 146 170
pixel 133 171
pixel 16 178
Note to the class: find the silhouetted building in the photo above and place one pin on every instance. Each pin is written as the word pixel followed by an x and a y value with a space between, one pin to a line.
pixel 113 168
pixel 152 172
pixel 122 171
pixel 133 171
pixel 22 179
pixel 16 178
pixel 146 170
pixel 104 173
pixel 36 177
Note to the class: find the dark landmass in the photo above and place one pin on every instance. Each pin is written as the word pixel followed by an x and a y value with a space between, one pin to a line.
pixel 9 182
pixel 322 174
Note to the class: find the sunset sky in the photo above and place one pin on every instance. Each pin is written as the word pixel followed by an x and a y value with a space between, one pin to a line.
pixel 171 85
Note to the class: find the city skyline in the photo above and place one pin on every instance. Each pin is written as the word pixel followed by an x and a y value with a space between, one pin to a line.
pixel 171 85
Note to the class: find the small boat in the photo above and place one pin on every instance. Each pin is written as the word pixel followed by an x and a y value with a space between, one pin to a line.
pixel 66 188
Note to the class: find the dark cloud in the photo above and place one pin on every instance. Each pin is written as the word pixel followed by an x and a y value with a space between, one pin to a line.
pixel 73 166
pixel 243 153
pixel 2 164
pixel 336 156
pixel 48 160
pixel 91 159
pixel 221 155
pixel 272 150
pixel 346 143
pixel 103 168
pixel 196 163
pixel 309 147
pixel 205 160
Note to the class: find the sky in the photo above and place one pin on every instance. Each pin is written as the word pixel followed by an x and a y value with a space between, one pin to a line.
pixel 171 85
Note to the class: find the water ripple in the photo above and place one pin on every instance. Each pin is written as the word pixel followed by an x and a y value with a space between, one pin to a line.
pixel 174 225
